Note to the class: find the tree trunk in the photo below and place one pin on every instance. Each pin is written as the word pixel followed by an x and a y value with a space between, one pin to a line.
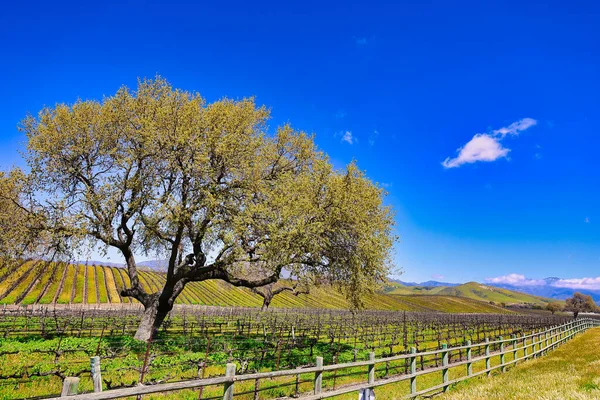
pixel 152 319
pixel 266 301
pixel 265 305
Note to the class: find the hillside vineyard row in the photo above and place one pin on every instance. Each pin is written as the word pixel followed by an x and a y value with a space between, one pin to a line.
pixel 40 282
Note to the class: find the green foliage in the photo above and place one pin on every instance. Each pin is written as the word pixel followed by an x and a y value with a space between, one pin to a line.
pixel 159 170
pixel 554 306
pixel 580 303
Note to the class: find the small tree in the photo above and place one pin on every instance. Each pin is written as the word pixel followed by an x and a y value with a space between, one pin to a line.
pixel 554 307
pixel 580 303
pixel 159 171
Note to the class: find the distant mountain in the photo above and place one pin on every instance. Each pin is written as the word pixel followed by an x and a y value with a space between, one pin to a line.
pixel 436 283
pixel 544 289
pixel 95 262
pixel 548 290
pixel 154 265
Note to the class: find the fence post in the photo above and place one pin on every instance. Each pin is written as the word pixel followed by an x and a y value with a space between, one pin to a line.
pixel 502 354
pixel 96 374
pixel 70 386
pixel 319 376
pixel 525 347
pixel 445 364
pixel 228 387
pixel 570 332
pixel 560 334
pixel 413 371
pixel 514 344
pixel 469 364
pixel 487 356
pixel 372 368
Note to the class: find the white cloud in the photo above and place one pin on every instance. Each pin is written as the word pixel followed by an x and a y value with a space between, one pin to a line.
pixel 482 147
pixel 348 138
pixel 516 127
pixel 579 283
pixel 586 220
pixel 571 283
pixel 516 280
pixel 437 277
pixel 486 146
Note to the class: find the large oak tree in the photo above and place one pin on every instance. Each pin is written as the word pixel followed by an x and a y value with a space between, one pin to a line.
pixel 580 303
pixel 160 171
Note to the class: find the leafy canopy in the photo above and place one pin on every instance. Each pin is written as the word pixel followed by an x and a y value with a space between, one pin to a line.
pixel 161 171
pixel 580 303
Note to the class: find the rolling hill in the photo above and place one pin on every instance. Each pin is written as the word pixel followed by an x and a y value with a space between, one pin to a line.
pixel 39 282
pixel 469 290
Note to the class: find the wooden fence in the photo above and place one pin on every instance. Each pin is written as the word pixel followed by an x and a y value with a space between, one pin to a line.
pixel 531 346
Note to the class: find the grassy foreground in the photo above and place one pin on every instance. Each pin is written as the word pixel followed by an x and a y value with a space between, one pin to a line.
pixel 570 372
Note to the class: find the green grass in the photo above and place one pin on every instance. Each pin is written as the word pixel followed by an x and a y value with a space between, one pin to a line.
pixel 175 357
pixel 101 284
pixel 80 284
pixel 478 291
pixel 65 295
pixel 13 277
pixel 570 372
pixel 451 304
pixel 91 285
pixel 54 284
pixel 24 284
pixel 113 291
pixel 49 270
pixel 122 281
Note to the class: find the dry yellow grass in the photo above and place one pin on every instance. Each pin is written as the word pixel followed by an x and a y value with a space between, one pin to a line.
pixel 570 372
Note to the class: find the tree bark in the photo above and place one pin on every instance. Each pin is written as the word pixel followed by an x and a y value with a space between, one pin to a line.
pixel 152 319
pixel 266 303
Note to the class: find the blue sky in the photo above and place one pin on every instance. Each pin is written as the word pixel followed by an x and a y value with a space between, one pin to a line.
pixel 397 86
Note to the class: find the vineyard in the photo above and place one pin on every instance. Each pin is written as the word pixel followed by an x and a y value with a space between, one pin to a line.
pixel 61 283
pixel 39 349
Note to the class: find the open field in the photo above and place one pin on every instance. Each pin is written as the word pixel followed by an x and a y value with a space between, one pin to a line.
pixel 570 372
pixel 43 283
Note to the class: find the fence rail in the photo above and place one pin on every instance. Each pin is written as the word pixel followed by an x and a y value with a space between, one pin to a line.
pixel 531 346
